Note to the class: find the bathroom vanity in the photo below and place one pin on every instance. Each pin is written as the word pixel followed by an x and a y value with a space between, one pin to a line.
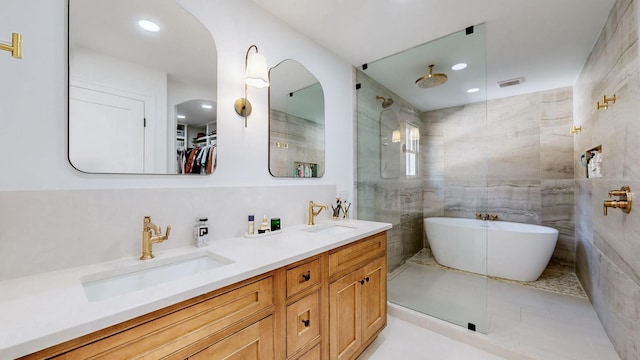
pixel 309 292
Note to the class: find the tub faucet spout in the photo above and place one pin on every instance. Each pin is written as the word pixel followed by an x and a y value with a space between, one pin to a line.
pixel 485 216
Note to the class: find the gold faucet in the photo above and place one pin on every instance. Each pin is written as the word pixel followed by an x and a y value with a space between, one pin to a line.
pixel 148 237
pixel 487 216
pixel 625 199
pixel 313 214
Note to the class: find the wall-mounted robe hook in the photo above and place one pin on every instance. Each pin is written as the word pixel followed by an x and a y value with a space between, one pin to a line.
pixel 15 48
pixel 606 100
pixel 575 130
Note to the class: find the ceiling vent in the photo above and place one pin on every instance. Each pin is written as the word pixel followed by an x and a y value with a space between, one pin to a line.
pixel 511 82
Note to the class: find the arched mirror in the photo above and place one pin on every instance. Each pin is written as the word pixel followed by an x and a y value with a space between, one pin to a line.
pixel 296 122
pixel 142 95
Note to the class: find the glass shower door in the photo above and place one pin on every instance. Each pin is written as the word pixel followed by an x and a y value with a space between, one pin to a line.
pixel 420 159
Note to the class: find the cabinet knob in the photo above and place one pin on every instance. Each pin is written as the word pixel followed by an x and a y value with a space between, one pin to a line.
pixel 362 282
pixel 367 279
pixel 306 277
pixel 305 323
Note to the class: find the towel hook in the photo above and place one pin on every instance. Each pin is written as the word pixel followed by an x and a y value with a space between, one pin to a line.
pixel 15 48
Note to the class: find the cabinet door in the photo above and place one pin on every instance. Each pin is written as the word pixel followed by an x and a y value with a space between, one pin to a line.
pixel 374 298
pixel 344 316
pixel 303 322
pixel 251 343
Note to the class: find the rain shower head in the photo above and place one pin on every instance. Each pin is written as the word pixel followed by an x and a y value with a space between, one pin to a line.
pixel 431 80
pixel 385 102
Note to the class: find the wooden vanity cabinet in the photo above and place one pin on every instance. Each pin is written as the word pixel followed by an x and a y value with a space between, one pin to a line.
pixel 329 306
pixel 357 296
pixel 184 329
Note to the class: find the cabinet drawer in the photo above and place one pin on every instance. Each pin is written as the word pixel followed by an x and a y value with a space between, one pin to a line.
pixel 303 277
pixel 303 322
pixel 354 254
pixel 254 342
pixel 313 354
pixel 165 335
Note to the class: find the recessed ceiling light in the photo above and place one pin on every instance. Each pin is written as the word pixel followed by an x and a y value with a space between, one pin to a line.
pixel 149 25
pixel 459 66
pixel 473 90
pixel 181 117
pixel 207 106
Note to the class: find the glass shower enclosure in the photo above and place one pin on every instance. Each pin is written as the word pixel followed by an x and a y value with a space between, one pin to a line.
pixel 422 152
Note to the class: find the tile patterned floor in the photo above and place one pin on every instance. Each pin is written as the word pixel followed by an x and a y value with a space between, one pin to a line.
pixel 555 278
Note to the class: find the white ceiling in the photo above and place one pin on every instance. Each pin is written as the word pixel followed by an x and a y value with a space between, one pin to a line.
pixel 545 41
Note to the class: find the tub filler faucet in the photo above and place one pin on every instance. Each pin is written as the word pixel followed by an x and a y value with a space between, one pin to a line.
pixel 313 214
pixel 487 216
pixel 148 237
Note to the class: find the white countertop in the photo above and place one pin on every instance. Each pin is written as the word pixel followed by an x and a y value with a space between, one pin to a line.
pixel 43 310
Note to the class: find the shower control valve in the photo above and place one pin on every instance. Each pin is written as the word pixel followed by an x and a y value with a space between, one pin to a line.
pixel 623 203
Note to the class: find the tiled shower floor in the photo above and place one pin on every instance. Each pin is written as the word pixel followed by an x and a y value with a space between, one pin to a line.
pixel 555 278
pixel 523 320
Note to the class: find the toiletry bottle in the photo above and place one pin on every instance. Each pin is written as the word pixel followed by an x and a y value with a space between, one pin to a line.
pixel 251 228
pixel 264 227
pixel 201 232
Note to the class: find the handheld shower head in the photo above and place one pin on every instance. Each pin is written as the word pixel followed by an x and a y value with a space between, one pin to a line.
pixel 385 102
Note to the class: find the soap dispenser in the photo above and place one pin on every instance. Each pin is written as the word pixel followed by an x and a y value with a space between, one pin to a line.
pixel 201 232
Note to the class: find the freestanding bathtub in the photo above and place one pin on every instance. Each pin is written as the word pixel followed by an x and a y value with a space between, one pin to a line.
pixel 496 248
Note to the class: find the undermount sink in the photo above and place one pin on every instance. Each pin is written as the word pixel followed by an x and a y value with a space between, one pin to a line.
pixel 329 229
pixel 103 285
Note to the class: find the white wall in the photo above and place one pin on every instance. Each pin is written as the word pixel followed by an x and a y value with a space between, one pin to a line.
pixel 33 141
pixel 40 78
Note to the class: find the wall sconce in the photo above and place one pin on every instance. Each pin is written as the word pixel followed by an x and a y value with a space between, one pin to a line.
pixel 15 48
pixel 605 102
pixel 395 136
pixel 256 75
pixel 575 130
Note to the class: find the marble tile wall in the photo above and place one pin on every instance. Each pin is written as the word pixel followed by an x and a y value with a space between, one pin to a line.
pixel 517 162
pixel 512 157
pixel 608 248
pixel 304 141
pixel 398 200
